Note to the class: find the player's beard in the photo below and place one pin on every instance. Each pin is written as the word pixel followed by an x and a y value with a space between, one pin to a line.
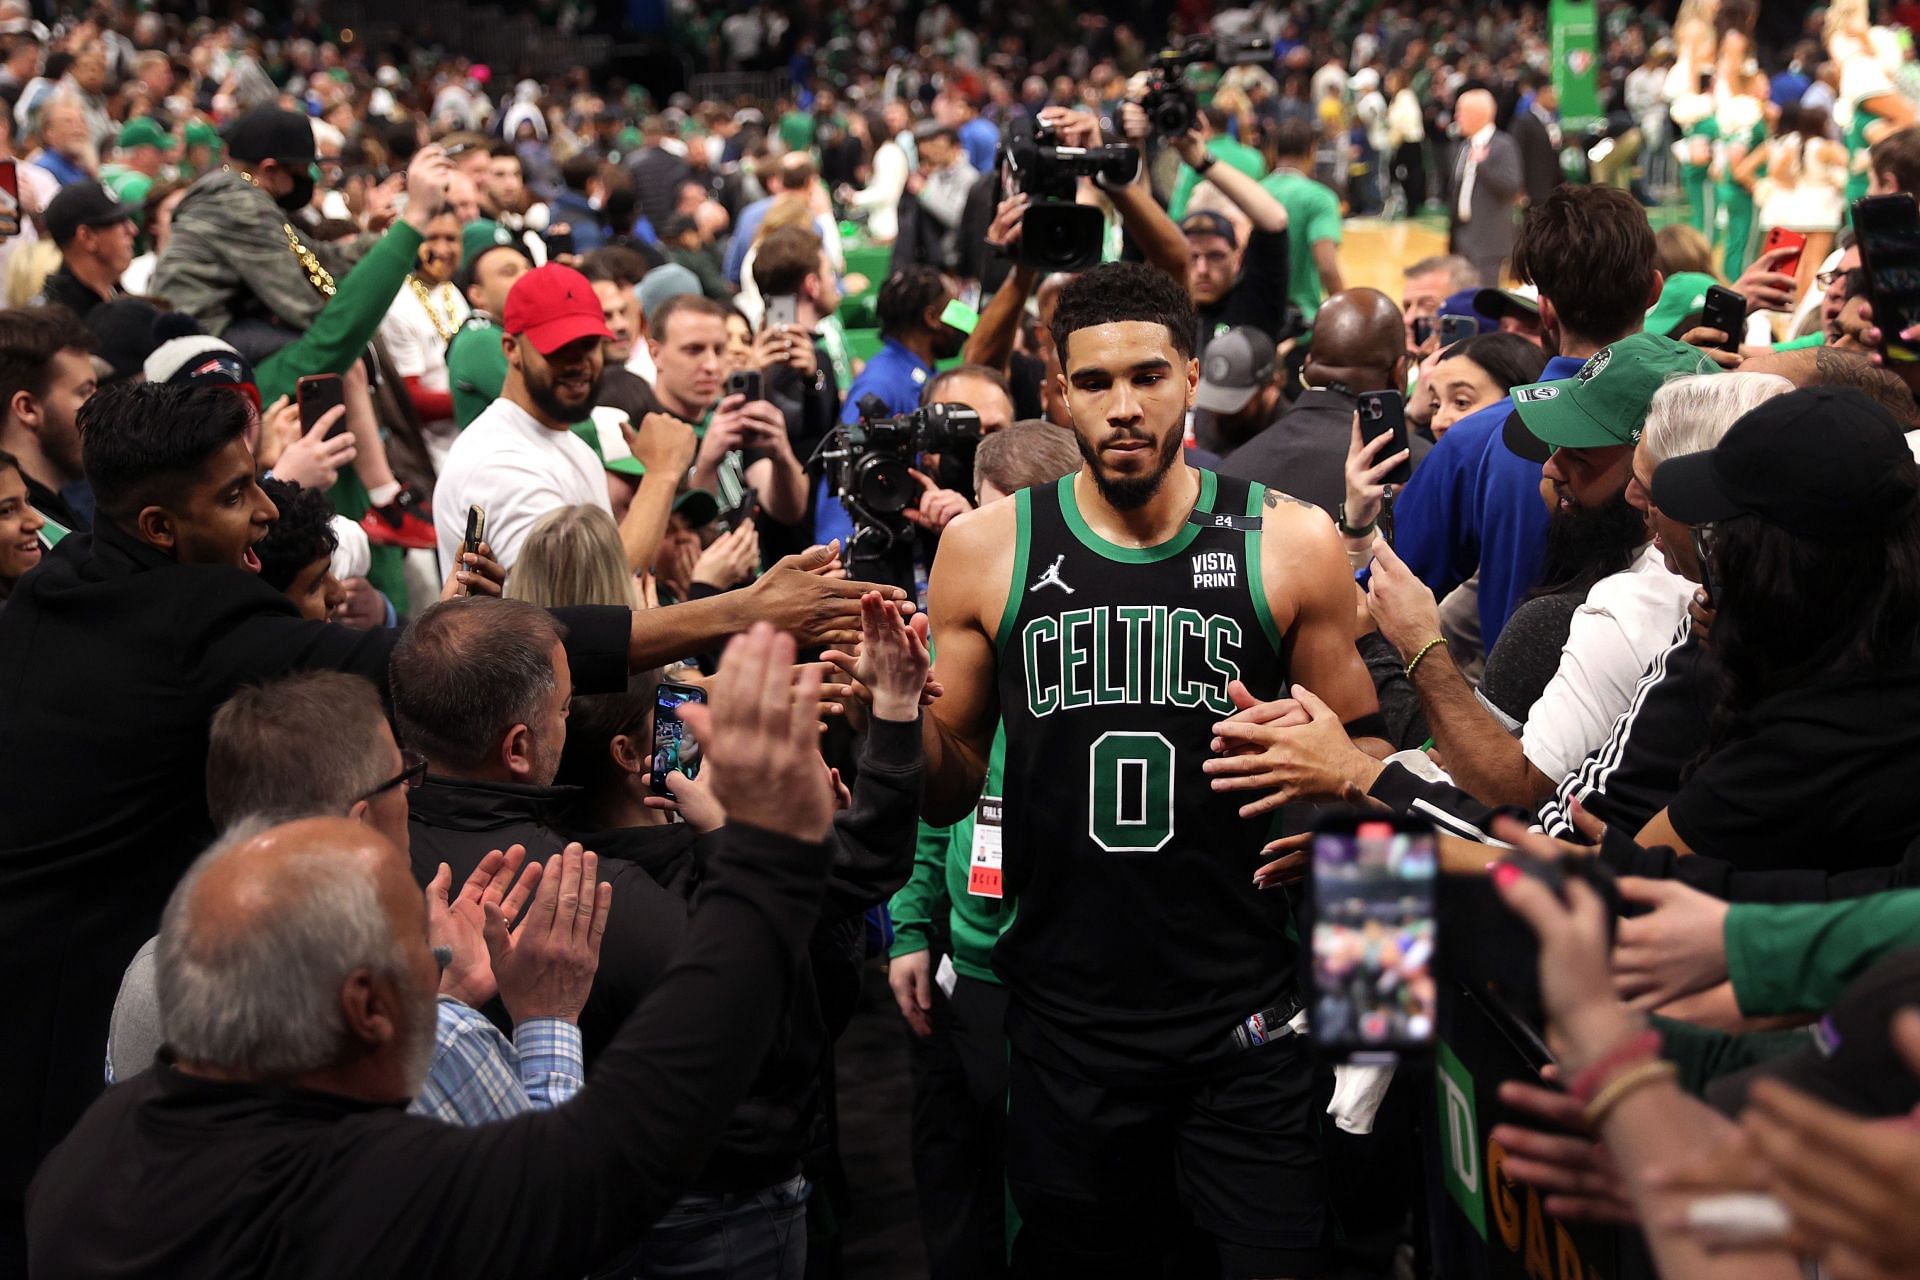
pixel 1130 493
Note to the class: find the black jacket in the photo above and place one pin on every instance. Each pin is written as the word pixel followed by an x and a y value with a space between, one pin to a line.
pixel 176 1176
pixel 1539 162
pixel 113 659
pixel 1303 452
pixel 657 873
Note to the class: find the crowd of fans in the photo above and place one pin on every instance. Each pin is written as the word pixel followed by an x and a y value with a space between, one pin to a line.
pixel 384 442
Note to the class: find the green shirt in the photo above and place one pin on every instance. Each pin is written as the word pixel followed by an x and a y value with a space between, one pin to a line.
pixel 1313 215
pixel 476 367
pixel 1795 957
pixel 941 863
pixel 1227 151
pixel 796 130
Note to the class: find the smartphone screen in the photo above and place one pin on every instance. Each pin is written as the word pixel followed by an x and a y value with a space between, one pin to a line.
pixel 1888 228
pixel 672 748
pixel 476 531
pixel 1385 413
pixel 782 309
pixel 1373 882
pixel 317 393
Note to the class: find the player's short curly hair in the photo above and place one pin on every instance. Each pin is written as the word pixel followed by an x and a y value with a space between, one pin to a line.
pixel 1116 292
pixel 303 533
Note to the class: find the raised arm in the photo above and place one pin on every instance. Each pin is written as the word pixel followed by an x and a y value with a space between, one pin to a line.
pixel 1254 200
pixel 969 590
pixel 664 445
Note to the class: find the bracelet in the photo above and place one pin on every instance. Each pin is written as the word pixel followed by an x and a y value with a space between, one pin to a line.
pixel 1207 163
pixel 1624 1084
pixel 1340 522
pixel 1644 1045
pixel 1424 651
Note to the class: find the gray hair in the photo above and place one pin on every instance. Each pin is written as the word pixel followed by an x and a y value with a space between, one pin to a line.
pixel 1690 414
pixel 302 746
pixel 261 997
pixel 1461 273
pixel 467 671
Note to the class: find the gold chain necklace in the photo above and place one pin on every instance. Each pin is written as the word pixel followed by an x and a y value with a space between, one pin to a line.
pixel 451 325
pixel 317 275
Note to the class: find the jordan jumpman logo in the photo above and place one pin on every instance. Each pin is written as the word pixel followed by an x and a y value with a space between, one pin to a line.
pixel 1051 578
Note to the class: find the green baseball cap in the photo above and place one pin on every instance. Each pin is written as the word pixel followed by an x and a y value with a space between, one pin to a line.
pixel 143 131
pixel 1683 295
pixel 201 134
pixel 128 186
pixel 602 433
pixel 482 234
pixel 1605 403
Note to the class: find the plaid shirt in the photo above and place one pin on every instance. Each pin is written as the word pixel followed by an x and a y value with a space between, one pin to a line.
pixel 478 1076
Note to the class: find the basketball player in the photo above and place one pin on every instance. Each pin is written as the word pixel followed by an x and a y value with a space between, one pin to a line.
pixel 1156 1106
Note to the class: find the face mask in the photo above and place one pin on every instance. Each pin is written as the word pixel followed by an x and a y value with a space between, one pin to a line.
pixel 300 195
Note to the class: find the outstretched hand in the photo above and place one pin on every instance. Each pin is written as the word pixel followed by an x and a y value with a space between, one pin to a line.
pixel 1289 760
pixel 545 965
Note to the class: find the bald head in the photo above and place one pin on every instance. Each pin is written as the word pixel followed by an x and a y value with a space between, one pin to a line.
pixel 1359 339
pixel 1473 112
pixel 297 952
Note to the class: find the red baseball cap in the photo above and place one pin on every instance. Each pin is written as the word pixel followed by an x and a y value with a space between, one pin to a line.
pixel 553 305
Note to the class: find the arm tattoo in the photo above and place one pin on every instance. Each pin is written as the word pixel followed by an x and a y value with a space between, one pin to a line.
pixel 1275 498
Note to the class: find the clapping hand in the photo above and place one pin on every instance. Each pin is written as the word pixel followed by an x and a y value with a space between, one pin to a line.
pixel 890 669
pixel 545 964
pixel 459 924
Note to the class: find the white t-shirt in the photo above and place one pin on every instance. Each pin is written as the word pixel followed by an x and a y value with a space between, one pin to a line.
pixel 417 349
pixel 516 470
pixel 1628 619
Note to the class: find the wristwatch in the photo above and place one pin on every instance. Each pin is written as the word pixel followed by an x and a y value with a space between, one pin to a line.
pixel 1206 163
pixel 1340 522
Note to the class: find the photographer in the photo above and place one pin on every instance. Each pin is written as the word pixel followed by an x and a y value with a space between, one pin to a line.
pixel 1232 283
pixel 1141 219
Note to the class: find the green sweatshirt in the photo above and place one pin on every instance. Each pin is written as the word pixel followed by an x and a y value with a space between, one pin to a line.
pixel 941 864
pixel 1798 957
pixel 335 339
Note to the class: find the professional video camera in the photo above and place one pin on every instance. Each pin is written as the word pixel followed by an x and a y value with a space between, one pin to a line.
pixel 1169 103
pixel 1056 234
pixel 865 464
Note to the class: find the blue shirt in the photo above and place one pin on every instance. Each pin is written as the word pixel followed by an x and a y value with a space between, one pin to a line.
pixel 478 1077
pixel 1475 504
pixel 981 141
pixel 897 376
pixel 744 230
pixel 60 167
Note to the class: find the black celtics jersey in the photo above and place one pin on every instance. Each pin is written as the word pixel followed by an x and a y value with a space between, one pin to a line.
pixel 1138 941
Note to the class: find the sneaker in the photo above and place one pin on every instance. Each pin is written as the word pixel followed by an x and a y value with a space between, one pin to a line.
pixel 401 523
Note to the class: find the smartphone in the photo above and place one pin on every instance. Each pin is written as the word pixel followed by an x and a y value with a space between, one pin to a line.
pixel 476 532
pixel 1726 311
pixel 1888 231
pixel 558 242
pixel 317 393
pixel 741 512
pixel 1422 330
pixel 1457 329
pixel 672 749
pixel 782 309
pixel 1781 238
pixel 745 382
pixel 1373 997
pixel 1385 413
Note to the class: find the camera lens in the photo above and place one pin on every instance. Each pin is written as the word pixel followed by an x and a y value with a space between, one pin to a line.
pixel 883 484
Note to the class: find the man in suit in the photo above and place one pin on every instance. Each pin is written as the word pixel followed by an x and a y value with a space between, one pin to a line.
pixel 1536 132
pixel 1486 184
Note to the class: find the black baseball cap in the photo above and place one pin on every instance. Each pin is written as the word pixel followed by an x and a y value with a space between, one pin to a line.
pixel 268 133
pixel 85 204
pixel 123 330
pixel 1852 1063
pixel 1208 222
pixel 1820 463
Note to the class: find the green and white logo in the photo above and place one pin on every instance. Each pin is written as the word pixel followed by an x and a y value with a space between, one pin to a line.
pixel 1460 1138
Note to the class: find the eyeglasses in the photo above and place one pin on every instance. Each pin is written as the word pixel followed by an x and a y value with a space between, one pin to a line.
pixel 410 777
pixel 1826 278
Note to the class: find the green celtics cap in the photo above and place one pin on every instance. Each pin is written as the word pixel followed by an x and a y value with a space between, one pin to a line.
pixel 143 131
pixel 1603 404
pixel 1683 295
